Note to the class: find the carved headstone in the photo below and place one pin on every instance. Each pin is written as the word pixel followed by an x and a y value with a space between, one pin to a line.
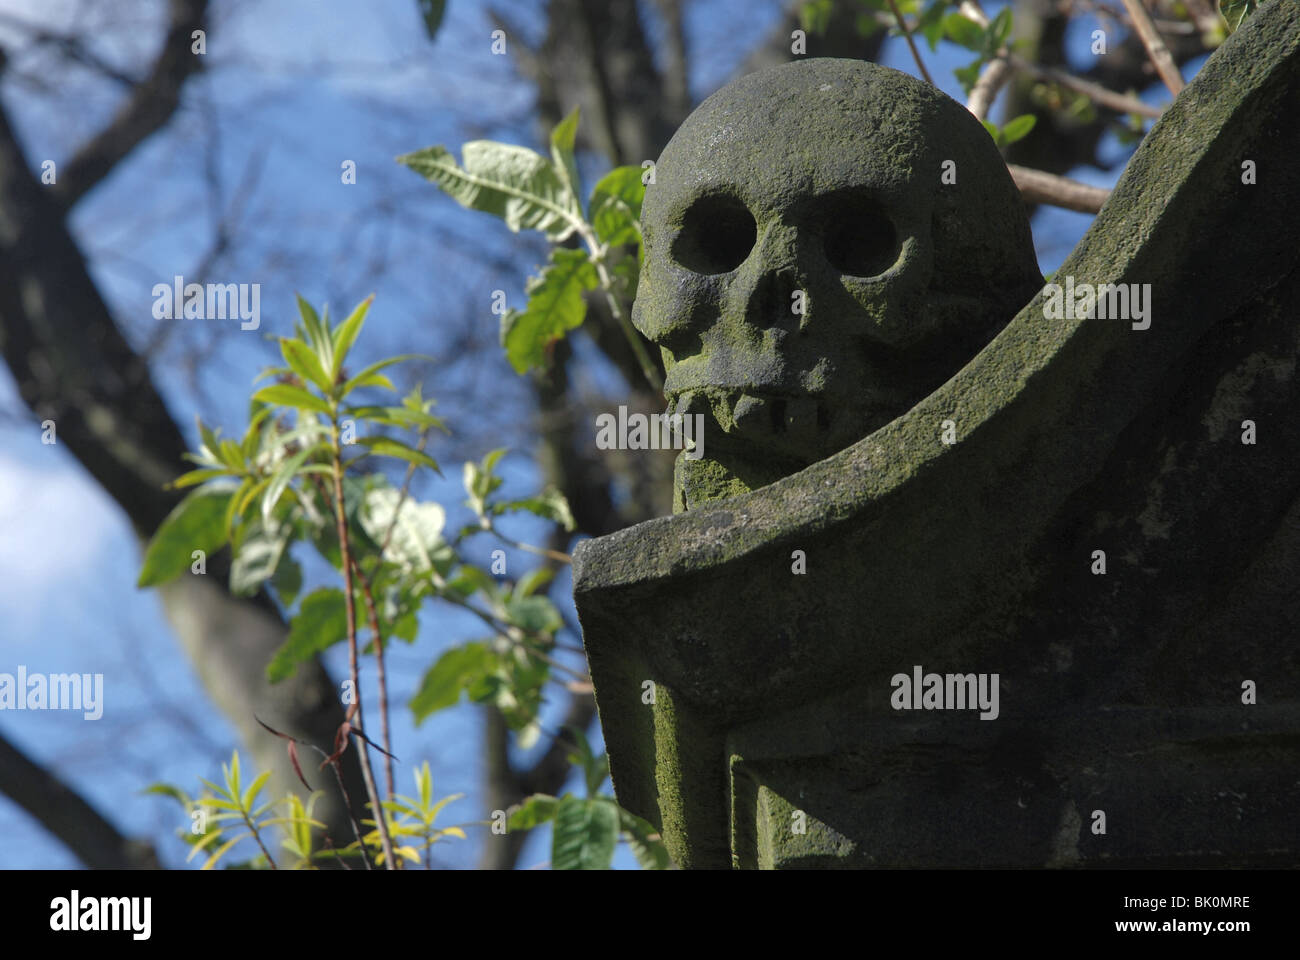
pixel 1026 602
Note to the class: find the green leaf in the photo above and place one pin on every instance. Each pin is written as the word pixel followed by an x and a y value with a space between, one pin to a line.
pixel 930 23
pixel 644 839
pixel 533 581
pixel 222 850
pixel 233 785
pixel 211 447
pixel 248 446
pixel 257 559
pixel 555 306
pixel 480 481
pixel 287 580
pixel 388 447
pixel 406 626
pixel 310 319
pixel 167 790
pixel 998 32
pixel 1235 11
pixel 960 30
pixel 535 810
pixel 282 477
pixel 616 206
pixel 284 395
pixel 514 183
pixel 304 362
pixel 317 331
pixel 586 832
pixel 321 623
pixel 401 417
pixel 346 335
pixel 196 523
pixel 534 614
pixel 815 16
pixel 454 672
pixel 362 379
pixel 595 767
pixel 424 785
pixel 431 12
pixel 248 492
pixel 231 456
pixel 968 75
pixel 1018 128
pixel 550 504
pixel 562 140
pixel 255 788
pixel 195 477
pixel 469 580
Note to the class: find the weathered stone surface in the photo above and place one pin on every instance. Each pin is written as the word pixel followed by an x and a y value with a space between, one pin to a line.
pixel 1119 692
pixel 864 198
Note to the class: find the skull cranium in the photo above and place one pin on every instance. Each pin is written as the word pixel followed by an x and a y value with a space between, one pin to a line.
pixel 826 242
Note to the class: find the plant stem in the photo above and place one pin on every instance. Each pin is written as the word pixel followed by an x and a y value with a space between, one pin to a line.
pixel 256 836
pixel 916 54
pixel 555 555
pixel 1161 59
pixel 340 514
pixel 625 323
pixel 373 620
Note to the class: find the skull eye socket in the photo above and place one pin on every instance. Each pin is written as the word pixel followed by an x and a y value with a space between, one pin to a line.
pixel 860 240
pixel 717 234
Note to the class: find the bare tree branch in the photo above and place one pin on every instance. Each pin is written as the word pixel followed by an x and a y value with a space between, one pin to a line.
pixel 1155 44
pixel 148 110
pixel 67 815
pixel 1039 187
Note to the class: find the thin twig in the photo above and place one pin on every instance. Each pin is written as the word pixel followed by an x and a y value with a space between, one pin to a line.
pixel 347 801
pixel 503 630
pixel 257 836
pixel 380 676
pixel 1093 91
pixel 401 499
pixel 648 369
pixel 1156 49
pixel 338 776
pixel 1121 103
pixel 907 33
pixel 345 553
pixel 380 670
pixel 549 554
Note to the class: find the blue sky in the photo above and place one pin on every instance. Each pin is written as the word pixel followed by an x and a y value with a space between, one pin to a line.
pixel 289 95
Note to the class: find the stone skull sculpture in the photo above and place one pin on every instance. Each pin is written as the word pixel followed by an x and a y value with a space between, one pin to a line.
pixel 826 242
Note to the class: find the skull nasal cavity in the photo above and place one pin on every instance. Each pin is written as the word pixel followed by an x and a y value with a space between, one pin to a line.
pixel 860 240
pixel 716 236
